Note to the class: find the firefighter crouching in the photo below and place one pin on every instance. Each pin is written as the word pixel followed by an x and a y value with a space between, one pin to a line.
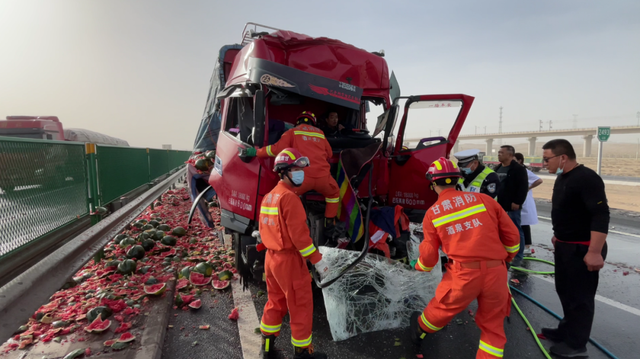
pixel 480 239
pixel 311 142
pixel 284 232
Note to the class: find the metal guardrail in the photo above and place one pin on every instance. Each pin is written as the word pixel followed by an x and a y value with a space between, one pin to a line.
pixel 23 295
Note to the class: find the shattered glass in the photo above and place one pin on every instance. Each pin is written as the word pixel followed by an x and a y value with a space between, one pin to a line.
pixel 376 294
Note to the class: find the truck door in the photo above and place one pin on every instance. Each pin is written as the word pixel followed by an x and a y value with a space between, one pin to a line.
pixel 428 130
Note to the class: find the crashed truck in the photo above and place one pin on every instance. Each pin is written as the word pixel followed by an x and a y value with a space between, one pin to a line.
pixel 269 79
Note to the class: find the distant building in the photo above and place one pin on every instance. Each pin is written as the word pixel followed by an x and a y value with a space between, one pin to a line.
pixel 166 147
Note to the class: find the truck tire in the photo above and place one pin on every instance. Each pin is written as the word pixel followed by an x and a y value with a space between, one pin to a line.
pixel 240 243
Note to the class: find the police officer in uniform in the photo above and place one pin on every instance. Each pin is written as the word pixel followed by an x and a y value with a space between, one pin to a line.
pixel 476 176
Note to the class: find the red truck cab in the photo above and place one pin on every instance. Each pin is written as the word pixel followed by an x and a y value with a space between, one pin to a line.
pixel 278 74
pixel 35 127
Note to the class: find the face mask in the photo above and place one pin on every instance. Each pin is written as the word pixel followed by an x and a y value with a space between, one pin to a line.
pixel 559 171
pixel 466 170
pixel 297 177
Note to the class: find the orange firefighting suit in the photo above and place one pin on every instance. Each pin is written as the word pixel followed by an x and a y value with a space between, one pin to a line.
pixel 310 141
pixel 478 237
pixel 284 231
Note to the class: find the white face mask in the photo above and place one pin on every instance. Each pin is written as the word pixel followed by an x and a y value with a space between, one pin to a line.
pixel 297 177
pixel 561 170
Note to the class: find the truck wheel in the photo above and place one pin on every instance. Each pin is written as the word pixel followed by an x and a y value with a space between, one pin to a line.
pixel 235 237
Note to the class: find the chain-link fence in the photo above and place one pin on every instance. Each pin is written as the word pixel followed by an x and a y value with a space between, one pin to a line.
pixel 44 186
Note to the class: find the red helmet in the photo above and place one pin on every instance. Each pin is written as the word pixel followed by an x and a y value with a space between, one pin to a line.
pixel 289 157
pixel 443 168
pixel 307 117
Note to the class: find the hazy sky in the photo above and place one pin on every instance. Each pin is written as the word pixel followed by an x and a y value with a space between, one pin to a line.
pixel 140 70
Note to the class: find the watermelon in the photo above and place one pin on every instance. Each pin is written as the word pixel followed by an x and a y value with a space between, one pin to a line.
pixel 196 304
pixel 154 223
pixel 168 240
pixel 220 284
pixel 148 244
pixel 164 227
pixel 136 252
pixel 127 242
pixel 98 325
pixel 204 268
pixel 210 154
pixel 182 283
pixel 234 314
pixel 127 266
pixel 225 275
pixel 109 342
pixel 179 231
pixel 126 337
pixel 183 299
pixel 185 272
pixel 99 312
pixel 155 289
pixel 199 279
pixel 202 164
pixel 158 235
pixel 119 345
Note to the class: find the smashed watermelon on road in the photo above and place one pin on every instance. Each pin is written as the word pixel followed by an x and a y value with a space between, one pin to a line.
pixel 116 284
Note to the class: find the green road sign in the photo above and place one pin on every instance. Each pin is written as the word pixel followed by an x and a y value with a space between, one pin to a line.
pixel 604 133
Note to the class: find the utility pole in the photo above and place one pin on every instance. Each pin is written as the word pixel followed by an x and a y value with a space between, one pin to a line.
pixel 575 121
pixel 540 129
pixel 550 125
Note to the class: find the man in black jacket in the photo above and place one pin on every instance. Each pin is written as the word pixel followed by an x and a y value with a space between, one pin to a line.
pixel 512 193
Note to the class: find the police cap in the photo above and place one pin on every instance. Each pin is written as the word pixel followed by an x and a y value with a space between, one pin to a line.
pixel 466 156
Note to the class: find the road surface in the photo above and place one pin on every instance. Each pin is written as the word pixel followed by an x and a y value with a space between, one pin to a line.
pixel 617 320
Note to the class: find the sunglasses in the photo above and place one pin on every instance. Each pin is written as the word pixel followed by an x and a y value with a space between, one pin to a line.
pixel 546 159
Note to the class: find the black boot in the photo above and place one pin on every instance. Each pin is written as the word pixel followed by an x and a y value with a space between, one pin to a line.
pixel 307 353
pixel 415 332
pixel 268 342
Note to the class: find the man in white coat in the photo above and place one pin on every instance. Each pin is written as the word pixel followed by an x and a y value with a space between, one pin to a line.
pixel 529 211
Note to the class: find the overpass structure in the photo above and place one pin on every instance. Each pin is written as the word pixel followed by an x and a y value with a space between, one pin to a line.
pixel 586 133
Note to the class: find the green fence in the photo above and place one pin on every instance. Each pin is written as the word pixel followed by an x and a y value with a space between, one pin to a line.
pixel 48 184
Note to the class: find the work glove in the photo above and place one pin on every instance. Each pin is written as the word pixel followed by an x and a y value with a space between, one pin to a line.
pixel 247 152
pixel 322 268
pixel 413 263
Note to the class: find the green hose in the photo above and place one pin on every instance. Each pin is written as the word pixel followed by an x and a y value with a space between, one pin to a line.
pixel 534 271
pixel 533 332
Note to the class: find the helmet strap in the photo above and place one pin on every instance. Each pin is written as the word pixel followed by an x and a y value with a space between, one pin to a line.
pixel 290 180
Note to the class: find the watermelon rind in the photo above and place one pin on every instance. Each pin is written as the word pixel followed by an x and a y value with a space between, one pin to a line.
pixel 98 325
pixel 126 338
pixel 198 279
pixel 110 342
pixel 196 304
pixel 155 289
pixel 220 284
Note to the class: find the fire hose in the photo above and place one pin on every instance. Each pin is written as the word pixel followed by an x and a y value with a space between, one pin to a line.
pixel 533 333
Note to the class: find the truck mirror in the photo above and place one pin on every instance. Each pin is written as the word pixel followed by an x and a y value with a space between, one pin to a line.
pixel 257 134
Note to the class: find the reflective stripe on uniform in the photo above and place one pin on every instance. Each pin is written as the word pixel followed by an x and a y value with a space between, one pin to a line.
pixel 269 210
pixel 307 133
pixel 308 251
pixel 459 215
pixel 491 349
pixel 332 200
pixel 270 328
pixel 513 249
pixel 301 343
pixel 429 325
pixel 269 151
pixel 423 267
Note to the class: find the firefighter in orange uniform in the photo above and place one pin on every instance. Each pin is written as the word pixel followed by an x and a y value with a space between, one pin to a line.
pixel 284 232
pixel 311 142
pixel 480 240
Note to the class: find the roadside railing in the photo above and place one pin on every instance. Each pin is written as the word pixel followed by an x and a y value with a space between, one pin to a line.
pixel 47 185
